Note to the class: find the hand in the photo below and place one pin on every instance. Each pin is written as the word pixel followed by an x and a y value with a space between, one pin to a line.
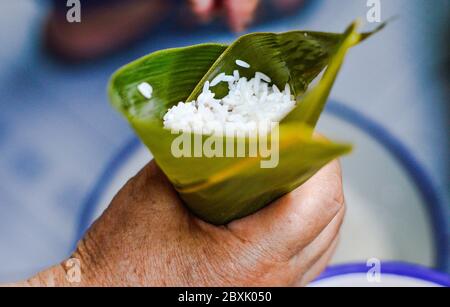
pixel 148 238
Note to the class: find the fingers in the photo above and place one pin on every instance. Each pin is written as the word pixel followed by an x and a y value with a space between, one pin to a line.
pixel 295 220
pixel 319 266
pixel 240 13
pixel 311 253
pixel 307 258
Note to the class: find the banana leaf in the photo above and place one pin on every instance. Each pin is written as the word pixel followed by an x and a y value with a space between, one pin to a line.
pixel 220 189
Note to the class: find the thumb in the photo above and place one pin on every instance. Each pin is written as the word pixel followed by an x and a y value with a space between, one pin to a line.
pixel 296 219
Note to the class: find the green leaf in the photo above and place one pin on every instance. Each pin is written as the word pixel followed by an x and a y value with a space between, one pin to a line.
pixel 310 107
pixel 220 189
pixel 243 187
pixel 172 72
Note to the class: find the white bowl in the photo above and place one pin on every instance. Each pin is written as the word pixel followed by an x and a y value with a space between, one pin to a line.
pixel 392 274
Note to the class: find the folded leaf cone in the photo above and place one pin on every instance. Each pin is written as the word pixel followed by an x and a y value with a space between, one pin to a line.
pixel 220 189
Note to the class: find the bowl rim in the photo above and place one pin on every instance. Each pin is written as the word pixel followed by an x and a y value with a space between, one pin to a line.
pixel 403 269
pixel 421 179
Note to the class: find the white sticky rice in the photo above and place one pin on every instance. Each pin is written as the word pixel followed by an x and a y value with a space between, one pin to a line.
pixel 146 90
pixel 249 105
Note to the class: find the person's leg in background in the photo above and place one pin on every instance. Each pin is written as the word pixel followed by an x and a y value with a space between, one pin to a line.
pixel 105 26
pixel 108 25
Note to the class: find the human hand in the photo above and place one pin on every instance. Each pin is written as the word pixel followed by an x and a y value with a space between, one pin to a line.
pixel 148 238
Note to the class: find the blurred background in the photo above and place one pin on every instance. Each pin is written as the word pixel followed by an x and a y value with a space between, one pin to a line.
pixel 58 133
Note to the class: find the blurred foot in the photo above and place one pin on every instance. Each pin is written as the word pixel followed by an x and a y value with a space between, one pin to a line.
pixel 241 13
pixel 287 6
pixel 102 29
pixel 109 27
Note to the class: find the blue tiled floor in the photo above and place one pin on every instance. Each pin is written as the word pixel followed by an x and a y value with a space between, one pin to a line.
pixel 57 130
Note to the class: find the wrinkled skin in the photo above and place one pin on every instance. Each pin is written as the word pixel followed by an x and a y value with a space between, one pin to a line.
pixel 148 238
